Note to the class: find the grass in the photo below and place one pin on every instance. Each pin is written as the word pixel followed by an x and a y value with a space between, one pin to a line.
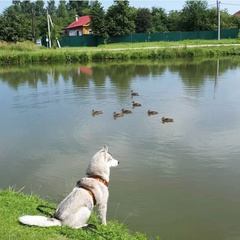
pixel 28 52
pixel 19 46
pixel 168 44
pixel 15 204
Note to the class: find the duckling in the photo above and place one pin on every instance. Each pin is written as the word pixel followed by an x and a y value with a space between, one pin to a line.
pixel 136 104
pixel 152 112
pixel 116 115
pixel 96 112
pixel 126 111
pixel 134 93
pixel 166 119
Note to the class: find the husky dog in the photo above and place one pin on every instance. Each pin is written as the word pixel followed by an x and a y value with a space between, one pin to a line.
pixel 76 208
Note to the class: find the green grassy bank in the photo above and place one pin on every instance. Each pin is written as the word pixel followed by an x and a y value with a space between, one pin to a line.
pixel 15 204
pixel 30 53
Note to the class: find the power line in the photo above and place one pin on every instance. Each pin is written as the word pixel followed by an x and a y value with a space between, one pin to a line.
pixel 230 4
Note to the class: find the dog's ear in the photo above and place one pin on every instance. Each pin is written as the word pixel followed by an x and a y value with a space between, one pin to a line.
pixel 104 151
pixel 105 148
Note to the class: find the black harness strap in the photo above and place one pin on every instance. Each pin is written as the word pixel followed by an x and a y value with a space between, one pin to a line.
pixel 39 208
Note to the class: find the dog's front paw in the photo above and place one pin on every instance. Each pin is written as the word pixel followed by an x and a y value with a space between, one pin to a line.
pixel 104 223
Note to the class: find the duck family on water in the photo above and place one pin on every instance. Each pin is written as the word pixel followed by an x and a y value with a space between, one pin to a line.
pixel 126 111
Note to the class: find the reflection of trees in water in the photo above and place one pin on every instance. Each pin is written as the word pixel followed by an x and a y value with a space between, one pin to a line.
pixel 31 75
pixel 194 74
pixel 120 74
pixel 79 80
pixel 99 75
pixel 19 77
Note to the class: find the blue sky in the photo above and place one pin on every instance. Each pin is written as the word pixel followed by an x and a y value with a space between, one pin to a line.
pixel 232 6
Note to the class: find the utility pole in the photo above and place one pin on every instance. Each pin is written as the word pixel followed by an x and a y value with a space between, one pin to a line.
pixel 33 25
pixel 49 31
pixel 218 13
pixel 50 24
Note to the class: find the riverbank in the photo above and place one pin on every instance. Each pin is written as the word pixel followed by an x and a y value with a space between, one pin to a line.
pixel 15 204
pixel 22 53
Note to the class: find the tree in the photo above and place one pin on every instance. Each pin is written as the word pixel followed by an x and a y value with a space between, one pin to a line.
pixel 62 10
pixel 173 23
pixel 26 6
pixel 15 27
pixel 27 20
pixel 194 16
pixel 98 23
pixel 39 8
pixel 17 4
pixel 143 20
pixel 228 21
pixel 212 17
pixel 51 7
pixel 81 7
pixel 159 20
pixel 120 19
pixel 55 34
pixel 63 17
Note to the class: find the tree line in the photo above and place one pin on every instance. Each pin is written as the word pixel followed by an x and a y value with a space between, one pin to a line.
pixel 27 20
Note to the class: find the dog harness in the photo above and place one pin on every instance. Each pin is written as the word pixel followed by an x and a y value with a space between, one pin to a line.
pixel 91 193
pixel 88 190
pixel 99 179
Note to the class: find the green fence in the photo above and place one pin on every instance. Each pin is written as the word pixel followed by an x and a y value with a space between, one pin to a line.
pixel 79 41
pixel 90 40
pixel 174 36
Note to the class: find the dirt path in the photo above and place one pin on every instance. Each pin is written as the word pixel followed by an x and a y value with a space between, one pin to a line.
pixel 178 46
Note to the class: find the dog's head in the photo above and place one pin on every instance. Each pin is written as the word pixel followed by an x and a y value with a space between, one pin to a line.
pixel 108 157
pixel 101 163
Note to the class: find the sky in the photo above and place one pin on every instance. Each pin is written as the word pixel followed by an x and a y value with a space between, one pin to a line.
pixel 231 6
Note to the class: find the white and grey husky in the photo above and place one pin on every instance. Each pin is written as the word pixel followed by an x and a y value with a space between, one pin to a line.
pixel 76 208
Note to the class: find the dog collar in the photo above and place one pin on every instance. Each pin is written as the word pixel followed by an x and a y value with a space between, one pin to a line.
pixel 99 179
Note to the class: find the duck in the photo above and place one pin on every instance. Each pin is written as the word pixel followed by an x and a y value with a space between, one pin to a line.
pixel 126 111
pixel 134 93
pixel 116 115
pixel 136 104
pixel 96 112
pixel 152 112
pixel 166 119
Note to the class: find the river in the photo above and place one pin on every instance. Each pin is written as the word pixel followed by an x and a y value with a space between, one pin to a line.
pixel 177 180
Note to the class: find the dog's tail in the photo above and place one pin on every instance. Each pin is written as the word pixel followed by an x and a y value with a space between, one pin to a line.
pixel 39 221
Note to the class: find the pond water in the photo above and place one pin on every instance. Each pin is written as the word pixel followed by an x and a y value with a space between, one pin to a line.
pixel 176 180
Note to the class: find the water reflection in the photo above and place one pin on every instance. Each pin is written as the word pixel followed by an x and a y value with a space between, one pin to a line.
pixel 171 176
pixel 192 72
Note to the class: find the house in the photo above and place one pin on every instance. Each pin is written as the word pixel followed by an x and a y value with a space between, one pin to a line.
pixel 237 14
pixel 80 26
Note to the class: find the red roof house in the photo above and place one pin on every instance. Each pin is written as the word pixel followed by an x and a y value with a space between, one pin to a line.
pixel 80 26
pixel 237 13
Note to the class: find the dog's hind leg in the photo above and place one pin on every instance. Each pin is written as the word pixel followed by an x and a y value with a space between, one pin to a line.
pixel 81 218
